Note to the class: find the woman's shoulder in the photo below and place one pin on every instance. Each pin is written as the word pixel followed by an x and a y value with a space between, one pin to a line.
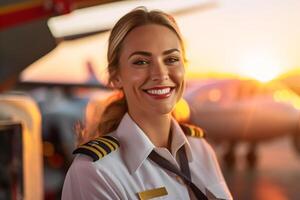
pixel 87 163
pixel 99 147
pixel 196 137
pixel 88 178
pixel 192 130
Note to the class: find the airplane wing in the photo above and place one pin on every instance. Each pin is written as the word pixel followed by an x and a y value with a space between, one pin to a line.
pixel 24 33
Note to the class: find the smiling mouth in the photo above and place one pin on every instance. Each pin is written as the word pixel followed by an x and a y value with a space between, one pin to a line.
pixel 159 92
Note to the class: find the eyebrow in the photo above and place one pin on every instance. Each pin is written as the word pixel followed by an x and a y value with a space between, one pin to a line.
pixel 145 53
pixel 170 51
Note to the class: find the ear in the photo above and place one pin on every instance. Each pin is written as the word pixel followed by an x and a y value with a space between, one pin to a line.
pixel 117 82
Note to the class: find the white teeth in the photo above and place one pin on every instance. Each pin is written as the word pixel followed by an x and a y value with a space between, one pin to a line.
pixel 159 91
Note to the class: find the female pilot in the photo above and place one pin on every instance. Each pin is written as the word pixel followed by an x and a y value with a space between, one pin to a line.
pixel 140 151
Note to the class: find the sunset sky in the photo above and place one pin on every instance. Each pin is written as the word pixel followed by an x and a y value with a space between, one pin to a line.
pixel 252 38
pixel 249 37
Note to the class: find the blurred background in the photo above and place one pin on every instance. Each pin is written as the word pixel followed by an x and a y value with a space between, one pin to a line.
pixel 243 87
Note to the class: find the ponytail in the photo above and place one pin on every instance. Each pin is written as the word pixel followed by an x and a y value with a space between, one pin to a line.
pixel 113 114
pixel 102 121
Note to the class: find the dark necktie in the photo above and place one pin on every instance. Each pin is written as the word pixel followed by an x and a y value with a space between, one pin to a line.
pixel 184 173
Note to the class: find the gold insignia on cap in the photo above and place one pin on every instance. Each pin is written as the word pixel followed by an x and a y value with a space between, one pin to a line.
pixel 192 130
pixel 99 147
pixel 153 193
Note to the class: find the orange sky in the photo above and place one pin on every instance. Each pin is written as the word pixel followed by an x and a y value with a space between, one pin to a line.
pixel 253 38
pixel 248 37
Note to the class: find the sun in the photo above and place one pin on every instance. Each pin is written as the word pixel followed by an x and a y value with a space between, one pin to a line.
pixel 261 68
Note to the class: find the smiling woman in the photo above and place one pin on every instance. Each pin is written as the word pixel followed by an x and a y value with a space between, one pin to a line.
pixel 150 153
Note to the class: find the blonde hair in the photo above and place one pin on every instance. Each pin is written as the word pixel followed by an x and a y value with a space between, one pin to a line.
pixel 140 16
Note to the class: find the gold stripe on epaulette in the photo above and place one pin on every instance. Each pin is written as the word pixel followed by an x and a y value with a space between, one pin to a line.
pixel 196 132
pixel 106 143
pixel 193 134
pixel 91 149
pixel 200 133
pixel 100 149
pixel 192 130
pixel 111 141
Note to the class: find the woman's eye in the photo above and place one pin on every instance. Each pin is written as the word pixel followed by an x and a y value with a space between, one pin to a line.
pixel 140 62
pixel 172 60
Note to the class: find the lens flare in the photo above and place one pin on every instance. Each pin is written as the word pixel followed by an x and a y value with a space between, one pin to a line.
pixel 260 67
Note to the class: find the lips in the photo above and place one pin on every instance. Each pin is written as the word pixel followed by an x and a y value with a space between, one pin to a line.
pixel 159 92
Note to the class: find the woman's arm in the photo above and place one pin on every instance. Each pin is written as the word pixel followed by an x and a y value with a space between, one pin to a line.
pixel 85 181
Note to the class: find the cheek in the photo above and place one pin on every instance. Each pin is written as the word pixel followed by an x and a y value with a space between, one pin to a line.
pixel 138 76
pixel 132 78
pixel 178 75
pixel 179 78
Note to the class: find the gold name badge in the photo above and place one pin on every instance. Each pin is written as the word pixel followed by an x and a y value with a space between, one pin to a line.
pixel 149 194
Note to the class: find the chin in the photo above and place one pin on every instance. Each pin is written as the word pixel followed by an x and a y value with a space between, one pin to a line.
pixel 164 110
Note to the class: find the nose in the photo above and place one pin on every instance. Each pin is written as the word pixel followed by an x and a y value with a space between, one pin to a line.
pixel 159 71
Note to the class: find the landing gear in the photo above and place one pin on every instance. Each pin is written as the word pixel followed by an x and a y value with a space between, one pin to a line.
pixel 296 141
pixel 251 155
pixel 229 157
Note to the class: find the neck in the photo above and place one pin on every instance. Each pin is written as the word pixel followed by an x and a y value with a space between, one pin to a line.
pixel 157 128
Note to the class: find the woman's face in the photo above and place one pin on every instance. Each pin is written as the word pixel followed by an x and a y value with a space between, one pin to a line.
pixel 151 70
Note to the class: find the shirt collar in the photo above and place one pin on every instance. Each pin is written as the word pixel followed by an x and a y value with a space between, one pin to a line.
pixel 179 139
pixel 136 146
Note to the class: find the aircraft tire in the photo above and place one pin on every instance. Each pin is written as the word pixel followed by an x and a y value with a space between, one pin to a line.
pixel 296 141
pixel 229 156
pixel 251 159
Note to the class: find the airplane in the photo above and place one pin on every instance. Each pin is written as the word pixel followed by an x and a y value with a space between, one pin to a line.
pixel 24 33
pixel 233 111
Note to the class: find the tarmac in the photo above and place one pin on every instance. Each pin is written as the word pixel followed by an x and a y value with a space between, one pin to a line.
pixel 275 177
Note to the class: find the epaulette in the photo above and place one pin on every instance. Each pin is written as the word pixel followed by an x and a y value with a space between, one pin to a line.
pixel 192 130
pixel 99 147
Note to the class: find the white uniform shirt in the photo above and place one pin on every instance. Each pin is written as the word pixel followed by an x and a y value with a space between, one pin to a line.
pixel 124 173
